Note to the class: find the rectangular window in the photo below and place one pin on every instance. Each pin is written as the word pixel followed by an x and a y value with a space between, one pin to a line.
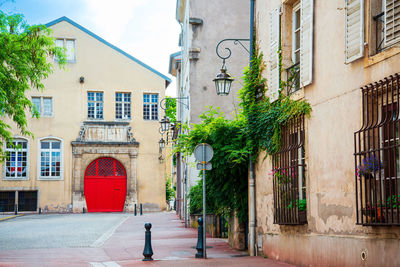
pixel 377 159
pixel 43 105
pixel 69 46
pixel 50 159
pixel 150 106
pixel 122 105
pixel 385 24
pixel 95 105
pixel 16 161
pixel 289 183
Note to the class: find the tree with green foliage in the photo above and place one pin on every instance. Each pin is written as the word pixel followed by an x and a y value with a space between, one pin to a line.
pixel 169 190
pixel 24 54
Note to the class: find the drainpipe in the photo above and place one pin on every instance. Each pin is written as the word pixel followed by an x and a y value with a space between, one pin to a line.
pixel 252 180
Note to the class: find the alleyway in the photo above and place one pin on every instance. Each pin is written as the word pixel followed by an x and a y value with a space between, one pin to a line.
pixel 110 240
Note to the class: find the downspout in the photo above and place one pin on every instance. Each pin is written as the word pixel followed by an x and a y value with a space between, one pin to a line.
pixel 252 193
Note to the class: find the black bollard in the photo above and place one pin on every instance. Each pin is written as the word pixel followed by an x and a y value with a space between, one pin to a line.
pixel 40 210
pixel 135 212
pixel 199 246
pixel 16 209
pixel 148 251
pixel 83 210
pixel 141 209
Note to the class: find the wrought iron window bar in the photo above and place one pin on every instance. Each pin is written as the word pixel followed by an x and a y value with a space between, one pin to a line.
pixel 293 78
pixel 289 176
pixel 377 159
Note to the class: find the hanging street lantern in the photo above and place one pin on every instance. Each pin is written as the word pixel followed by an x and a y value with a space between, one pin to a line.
pixel 165 124
pixel 223 82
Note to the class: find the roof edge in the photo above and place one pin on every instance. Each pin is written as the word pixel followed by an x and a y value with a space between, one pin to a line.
pixel 64 18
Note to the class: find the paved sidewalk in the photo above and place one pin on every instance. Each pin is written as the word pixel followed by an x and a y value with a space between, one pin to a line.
pixel 173 245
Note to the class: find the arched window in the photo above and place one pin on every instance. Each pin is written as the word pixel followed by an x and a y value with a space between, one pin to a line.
pixel 16 162
pixel 51 158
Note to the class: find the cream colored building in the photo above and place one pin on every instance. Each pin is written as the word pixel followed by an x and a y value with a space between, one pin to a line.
pixel 96 142
pixel 343 160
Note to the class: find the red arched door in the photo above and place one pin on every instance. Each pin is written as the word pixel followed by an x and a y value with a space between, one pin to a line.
pixel 105 185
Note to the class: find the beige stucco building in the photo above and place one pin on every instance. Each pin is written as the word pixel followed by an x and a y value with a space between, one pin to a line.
pixel 341 162
pixel 96 142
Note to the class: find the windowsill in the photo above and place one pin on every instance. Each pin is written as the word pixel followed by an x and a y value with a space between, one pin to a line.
pixel 151 120
pixel 123 120
pixel 369 61
pixel 50 179
pixel 93 119
pixel 297 95
pixel 15 179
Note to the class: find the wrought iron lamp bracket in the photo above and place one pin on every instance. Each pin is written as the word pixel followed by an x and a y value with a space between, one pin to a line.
pixel 235 42
pixel 180 99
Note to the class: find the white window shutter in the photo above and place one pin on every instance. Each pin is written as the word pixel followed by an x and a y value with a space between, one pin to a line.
pixel 274 72
pixel 306 42
pixel 392 21
pixel 354 35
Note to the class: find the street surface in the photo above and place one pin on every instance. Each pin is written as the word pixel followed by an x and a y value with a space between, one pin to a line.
pixel 110 239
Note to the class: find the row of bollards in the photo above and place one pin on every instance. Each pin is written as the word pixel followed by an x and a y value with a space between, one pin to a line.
pixel 140 209
pixel 148 250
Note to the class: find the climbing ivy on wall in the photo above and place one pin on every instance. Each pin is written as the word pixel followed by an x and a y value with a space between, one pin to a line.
pixel 256 127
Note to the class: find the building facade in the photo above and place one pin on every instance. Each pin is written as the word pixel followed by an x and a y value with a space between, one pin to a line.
pixel 339 202
pixel 203 27
pixel 95 146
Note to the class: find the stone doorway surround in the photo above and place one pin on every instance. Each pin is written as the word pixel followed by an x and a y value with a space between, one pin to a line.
pixel 104 139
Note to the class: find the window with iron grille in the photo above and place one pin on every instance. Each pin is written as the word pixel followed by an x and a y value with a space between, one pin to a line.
pixel 95 105
pixel 150 106
pixel 289 182
pixel 50 159
pixel 16 161
pixel 377 161
pixel 122 105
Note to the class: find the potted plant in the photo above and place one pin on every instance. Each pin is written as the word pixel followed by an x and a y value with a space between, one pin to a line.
pixel 369 166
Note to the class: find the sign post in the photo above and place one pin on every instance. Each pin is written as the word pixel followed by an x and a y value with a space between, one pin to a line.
pixel 203 154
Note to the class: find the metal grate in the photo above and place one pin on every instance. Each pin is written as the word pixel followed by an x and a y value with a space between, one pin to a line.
pixel 7 201
pixel 119 169
pixel 289 183
pixel 91 170
pixel 105 167
pixel 27 200
pixel 377 161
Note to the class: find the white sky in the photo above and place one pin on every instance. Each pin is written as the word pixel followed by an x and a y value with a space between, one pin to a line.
pixel 146 29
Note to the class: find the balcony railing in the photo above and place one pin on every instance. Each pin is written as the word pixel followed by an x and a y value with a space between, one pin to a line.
pixel 293 78
pixel 377 161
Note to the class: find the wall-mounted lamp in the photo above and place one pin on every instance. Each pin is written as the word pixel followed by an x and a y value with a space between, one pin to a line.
pixel 81 79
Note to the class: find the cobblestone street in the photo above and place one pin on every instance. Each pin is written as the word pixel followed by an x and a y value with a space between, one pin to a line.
pixel 110 239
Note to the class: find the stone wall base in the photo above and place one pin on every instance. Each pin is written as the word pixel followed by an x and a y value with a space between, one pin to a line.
pixel 323 250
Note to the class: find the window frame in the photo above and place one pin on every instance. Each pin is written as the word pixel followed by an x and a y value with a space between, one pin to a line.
pixel 123 103
pixel 65 39
pixel 151 106
pixel 26 178
pixel 41 110
pixel 95 106
pixel 39 159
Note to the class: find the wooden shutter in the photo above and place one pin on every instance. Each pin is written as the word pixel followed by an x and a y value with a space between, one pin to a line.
pixel 354 35
pixel 306 42
pixel 274 72
pixel 392 21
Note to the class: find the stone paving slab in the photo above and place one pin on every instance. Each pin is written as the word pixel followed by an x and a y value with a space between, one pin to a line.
pixel 172 243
